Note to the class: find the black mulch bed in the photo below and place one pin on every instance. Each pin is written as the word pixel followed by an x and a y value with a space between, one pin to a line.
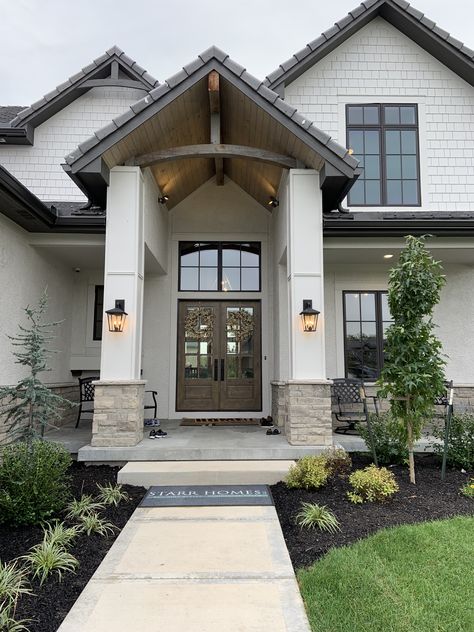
pixel 430 499
pixel 53 600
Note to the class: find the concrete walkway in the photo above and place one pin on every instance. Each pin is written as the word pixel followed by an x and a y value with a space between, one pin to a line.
pixel 193 569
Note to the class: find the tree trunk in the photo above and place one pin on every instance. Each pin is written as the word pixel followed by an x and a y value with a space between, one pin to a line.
pixel 411 457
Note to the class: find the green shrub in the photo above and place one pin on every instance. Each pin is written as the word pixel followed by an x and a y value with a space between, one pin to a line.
pixel 372 484
pixel 310 472
pixel 47 557
pixel 34 484
pixel 468 489
pixel 390 447
pixel 313 515
pixel 78 508
pixel 461 441
pixel 61 535
pixel 111 494
pixel 93 523
pixel 338 461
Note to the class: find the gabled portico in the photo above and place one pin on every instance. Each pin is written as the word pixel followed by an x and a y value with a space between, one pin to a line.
pixel 215 159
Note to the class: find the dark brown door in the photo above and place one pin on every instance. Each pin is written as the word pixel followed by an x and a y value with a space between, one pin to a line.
pixel 219 356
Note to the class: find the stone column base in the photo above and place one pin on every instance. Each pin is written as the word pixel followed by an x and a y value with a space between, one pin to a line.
pixel 118 413
pixel 303 407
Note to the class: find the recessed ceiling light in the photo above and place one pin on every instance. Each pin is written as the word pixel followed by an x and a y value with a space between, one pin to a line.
pixel 387 256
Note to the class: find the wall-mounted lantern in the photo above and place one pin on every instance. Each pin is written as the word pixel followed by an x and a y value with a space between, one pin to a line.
pixel 309 316
pixel 163 199
pixel 273 202
pixel 116 316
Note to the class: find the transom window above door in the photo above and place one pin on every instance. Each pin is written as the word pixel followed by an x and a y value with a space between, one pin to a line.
pixel 384 138
pixel 217 266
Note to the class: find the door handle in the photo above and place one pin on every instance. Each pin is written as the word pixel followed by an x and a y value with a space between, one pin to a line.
pixel 222 370
pixel 215 369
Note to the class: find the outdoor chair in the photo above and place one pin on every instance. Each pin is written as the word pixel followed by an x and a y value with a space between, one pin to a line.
pixel 87 394
pixel 351 404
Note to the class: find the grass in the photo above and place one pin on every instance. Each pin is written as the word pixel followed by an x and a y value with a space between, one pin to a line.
pixel 413 578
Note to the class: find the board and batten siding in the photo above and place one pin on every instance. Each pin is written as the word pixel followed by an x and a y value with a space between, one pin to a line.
pixel 38 167
pixel 380 64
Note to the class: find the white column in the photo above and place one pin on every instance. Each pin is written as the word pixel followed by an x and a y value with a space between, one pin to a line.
pixel 305 273
pixel 124 270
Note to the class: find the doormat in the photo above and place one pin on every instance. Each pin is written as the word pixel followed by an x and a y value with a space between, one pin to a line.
pixel 233 421
pixel 207 495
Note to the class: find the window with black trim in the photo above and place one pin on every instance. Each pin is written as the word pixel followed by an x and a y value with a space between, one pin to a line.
pixel 384 138
pixel 366 319
pixel 219 266
pixel 98 312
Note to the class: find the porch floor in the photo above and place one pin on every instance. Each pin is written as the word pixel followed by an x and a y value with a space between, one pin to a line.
pixel 200 443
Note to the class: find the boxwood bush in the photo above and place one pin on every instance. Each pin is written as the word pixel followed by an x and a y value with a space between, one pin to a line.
pixel 372 484
pixel 310 472
pixel 34 483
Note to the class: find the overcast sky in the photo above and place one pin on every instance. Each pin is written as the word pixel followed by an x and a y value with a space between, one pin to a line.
pixel 42 42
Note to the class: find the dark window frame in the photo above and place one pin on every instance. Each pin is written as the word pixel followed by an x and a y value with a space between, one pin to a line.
pixel 378 328
pixel 219 246
pixel 98 313
pixel 382 127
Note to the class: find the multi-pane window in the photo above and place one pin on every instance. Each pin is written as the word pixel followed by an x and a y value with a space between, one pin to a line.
pixel 366 319
pixel 219 266
pixel 98 312
pixel 384 138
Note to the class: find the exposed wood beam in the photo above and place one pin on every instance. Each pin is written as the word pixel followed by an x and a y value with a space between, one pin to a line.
pixel 114 70
pixel 109 81
pixel 215 109
pixel 214 151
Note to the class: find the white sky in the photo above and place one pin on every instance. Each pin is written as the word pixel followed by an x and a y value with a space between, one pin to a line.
pixel 42 42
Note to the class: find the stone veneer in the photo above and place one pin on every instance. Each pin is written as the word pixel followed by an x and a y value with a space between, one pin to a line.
pixel 69 390
pixel 118 413
pixel 303 408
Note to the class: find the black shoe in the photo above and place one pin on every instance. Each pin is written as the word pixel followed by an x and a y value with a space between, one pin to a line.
pixel 159 434
pixel 152 434
pixel 266 421
pixel 275 431
pixel 269 431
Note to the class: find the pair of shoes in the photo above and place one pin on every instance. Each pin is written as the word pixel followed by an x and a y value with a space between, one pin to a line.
pixel 266 421
pixel 157 434
pixel 275 431
pixel 151 422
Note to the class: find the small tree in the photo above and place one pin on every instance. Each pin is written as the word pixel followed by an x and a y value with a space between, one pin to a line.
pixel 32 406
pixel 413 373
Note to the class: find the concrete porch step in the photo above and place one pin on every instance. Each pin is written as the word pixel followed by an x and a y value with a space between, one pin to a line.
pixel 148 473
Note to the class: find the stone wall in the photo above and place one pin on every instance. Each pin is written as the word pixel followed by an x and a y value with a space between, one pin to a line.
pixel 118 413
pixel 69 414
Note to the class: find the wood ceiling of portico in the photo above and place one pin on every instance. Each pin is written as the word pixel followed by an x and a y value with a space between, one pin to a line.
pixel 186 121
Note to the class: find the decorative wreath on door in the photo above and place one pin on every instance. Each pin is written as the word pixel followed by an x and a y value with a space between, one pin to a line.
pixel 199 323
pixel 240 322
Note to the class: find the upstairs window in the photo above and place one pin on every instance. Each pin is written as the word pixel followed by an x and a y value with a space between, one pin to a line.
pixel 219 266
pixel 384 138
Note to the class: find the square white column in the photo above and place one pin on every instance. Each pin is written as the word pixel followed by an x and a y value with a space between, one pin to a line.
pixel 305 273
pixel 123 274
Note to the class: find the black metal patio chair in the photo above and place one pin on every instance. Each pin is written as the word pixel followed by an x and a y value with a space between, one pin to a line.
pixel 350 399
pixel 87 394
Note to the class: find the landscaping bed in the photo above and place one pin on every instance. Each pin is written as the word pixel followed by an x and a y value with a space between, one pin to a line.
pixel 429 499
pixel 51 602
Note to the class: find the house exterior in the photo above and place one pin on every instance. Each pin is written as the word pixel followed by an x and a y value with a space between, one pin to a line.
pixel 214 206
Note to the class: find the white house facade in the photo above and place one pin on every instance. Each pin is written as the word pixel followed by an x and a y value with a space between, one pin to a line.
pixel 214 208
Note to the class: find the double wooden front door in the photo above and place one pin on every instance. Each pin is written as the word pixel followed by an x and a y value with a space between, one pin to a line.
pixel 219 356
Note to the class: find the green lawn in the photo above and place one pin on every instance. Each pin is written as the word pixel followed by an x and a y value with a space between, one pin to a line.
pixel 410 578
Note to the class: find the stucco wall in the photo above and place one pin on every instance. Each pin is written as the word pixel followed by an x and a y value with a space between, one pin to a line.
pixel 39 166
pixel 380 64
pixel 454 315
pixel 24 273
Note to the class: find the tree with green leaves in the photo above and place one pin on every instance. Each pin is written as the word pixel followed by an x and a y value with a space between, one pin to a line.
pixel 413 372
pixel 31 405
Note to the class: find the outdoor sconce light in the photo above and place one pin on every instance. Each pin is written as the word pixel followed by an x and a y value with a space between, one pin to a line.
pixel 273 202
pixel 116 316
pixel 163 199
pixel 309 316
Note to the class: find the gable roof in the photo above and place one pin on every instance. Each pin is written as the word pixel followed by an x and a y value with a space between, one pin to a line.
pixel 113 68
pixel 8 113
pixel 86 163
pixel 413 23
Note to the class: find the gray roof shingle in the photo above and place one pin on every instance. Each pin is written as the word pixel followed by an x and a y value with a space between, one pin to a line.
pixel 293 67
pixel 8 113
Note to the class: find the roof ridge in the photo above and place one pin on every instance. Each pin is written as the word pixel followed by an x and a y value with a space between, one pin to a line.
pixel 114 51
pixel 213 52
pixel 364 8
